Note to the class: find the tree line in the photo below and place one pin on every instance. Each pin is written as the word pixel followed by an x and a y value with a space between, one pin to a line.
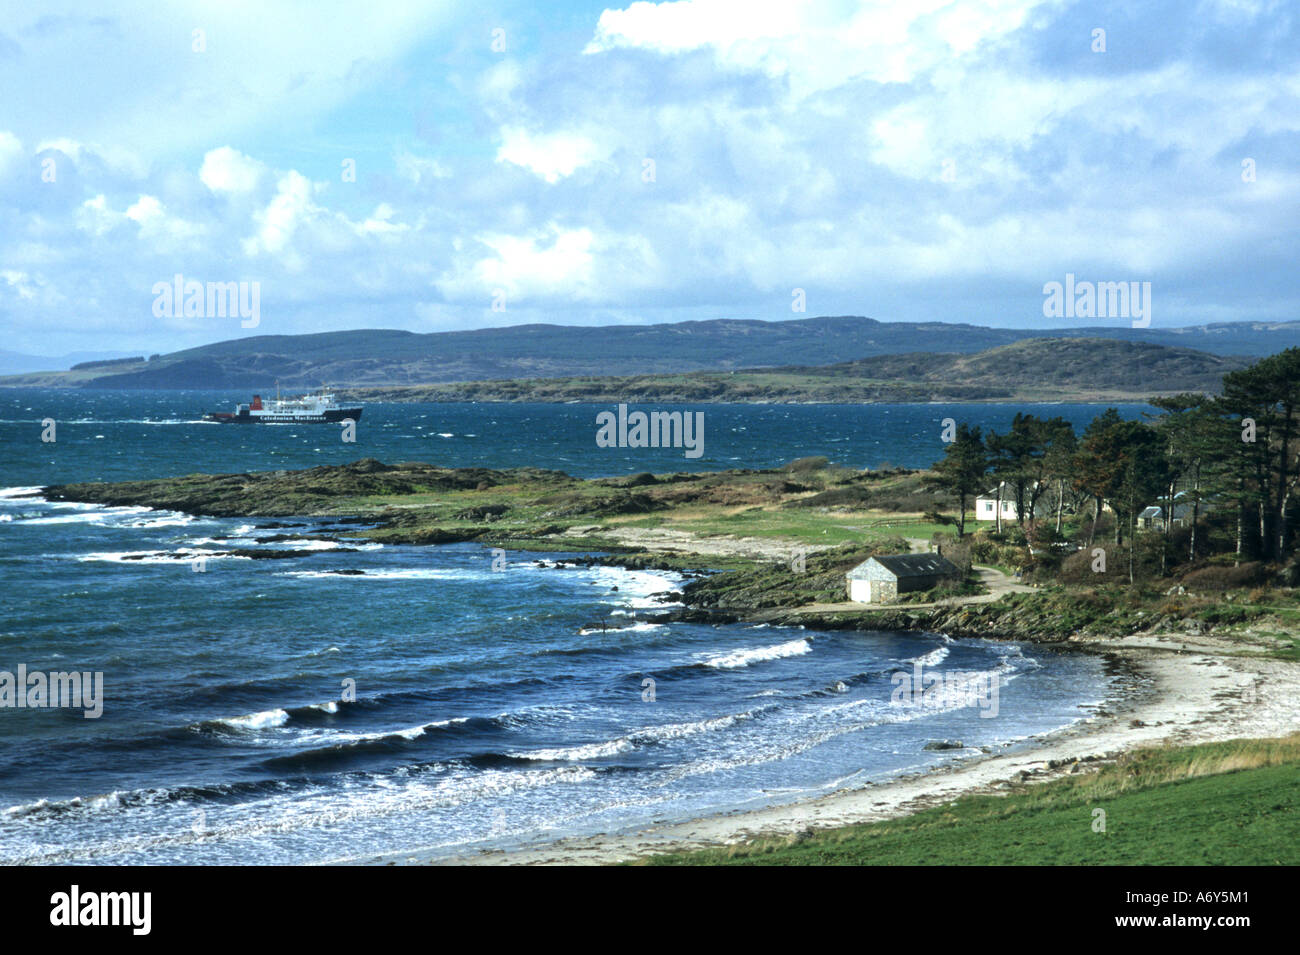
pixel 1235 451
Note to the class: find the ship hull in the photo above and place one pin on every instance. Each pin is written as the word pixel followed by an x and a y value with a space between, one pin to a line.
pixel 261 417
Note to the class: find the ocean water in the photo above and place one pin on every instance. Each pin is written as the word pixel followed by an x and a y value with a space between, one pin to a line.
pixel 118 436
pixel 263 711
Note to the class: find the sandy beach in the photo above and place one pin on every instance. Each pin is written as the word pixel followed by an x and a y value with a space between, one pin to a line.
pixel 1190 689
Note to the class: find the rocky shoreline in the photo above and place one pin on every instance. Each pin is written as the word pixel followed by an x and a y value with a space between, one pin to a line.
pixel 732 578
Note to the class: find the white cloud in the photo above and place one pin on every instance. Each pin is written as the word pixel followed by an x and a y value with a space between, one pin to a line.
pixel 281 218
pixel 552 156
pixel 157 223
pixel 11 152
pixel 115 159
pixel 127 73
pixel 380 222
pixel 814 43
pixel 20 283
pixel 154 223
pixel 797 144
pixel 29 290
pixel 418 169
pixel 547 262
pixel 227 170
pixel 95 217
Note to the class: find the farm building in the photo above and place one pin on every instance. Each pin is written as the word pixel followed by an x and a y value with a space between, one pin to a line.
pixel 882 579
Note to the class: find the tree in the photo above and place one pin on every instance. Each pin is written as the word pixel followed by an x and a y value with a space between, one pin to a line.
pixel 1143 471
pixel 1096 465
pixel 1268 394
pixel 1196 437
pixel 1019 458
pixel 962 470
pixel 1053 446
pixel 1058 464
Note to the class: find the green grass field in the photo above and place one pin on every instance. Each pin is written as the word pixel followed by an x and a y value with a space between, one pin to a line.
pixel 808 526
pixel 1233 803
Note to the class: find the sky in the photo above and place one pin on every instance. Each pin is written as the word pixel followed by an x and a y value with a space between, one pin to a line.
pixel 440 166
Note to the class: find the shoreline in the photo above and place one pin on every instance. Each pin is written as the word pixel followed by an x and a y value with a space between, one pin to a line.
pixel 1190 690
pixel 1196 664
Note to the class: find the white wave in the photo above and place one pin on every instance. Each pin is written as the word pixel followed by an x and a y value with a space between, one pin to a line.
pixel 680 730
pixel 635 587
pixel 306 544
pixel 170 519
pixel 408 733
pixel 636 627
pixel 574 753
pixel 425 573
pixel 933 658
pixel 85 517
pixel 178 557
pixel 625 744
pixel 27 493
pixel 23 809
pixel 135 421
pixel 126 516
pixel 258 721
pixel 743 658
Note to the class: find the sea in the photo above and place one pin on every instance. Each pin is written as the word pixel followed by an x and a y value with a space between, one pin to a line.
pixel 445 699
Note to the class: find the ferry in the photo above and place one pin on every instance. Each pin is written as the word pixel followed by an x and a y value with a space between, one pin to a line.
pixel 305 409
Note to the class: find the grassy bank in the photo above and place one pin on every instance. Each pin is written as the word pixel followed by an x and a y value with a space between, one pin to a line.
pixel 1230 803
pixel 812 502
pixel 750 524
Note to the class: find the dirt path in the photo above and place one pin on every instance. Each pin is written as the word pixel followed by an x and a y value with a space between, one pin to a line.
pixel 994 581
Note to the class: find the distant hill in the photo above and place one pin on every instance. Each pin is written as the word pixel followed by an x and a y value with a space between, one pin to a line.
pixel 394 358
pixel 1039 369
pixel 18 363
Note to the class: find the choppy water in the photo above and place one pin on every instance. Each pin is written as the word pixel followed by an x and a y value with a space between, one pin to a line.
pixel 488 709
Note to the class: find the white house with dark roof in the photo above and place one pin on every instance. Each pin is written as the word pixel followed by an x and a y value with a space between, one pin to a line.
pixel 882 579
pixel 987 504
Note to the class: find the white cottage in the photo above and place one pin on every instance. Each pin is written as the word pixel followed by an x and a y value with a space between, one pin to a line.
pixel 882 579
pixel 986 505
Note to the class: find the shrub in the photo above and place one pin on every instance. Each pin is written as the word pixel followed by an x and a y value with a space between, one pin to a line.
pixel 1212 577
pixel 813 463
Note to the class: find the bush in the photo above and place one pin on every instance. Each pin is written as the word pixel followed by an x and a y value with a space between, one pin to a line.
pixel 1077 568
pixel 1229 613
pixel 815 463
pixel 1046 534
pixel 1219 578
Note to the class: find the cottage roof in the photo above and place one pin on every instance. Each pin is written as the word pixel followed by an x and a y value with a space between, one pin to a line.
pixel 910 565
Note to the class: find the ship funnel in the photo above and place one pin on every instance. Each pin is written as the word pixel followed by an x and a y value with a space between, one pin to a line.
pixel 257 403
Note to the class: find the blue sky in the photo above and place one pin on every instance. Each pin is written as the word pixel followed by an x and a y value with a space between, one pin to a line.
pixel 925 160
